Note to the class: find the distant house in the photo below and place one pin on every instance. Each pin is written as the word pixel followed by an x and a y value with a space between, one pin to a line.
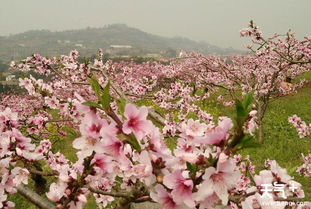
pixel 153 55
pixel 79 45
pixel 119 49
pixel 10 78
pixel 120 46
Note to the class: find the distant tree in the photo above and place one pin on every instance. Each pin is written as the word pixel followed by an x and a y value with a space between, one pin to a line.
pixel 2 77
pixel 3 67
pixel 106 57
pixel 170 53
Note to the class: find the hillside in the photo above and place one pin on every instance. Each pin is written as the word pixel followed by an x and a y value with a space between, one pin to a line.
pixel 127 41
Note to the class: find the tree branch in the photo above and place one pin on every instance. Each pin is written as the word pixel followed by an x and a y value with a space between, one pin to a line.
pixel 34 197
pixel 112 194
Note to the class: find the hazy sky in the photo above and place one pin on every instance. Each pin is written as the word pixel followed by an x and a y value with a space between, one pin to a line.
pixel 215 21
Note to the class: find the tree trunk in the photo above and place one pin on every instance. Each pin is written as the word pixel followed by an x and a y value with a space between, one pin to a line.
pixel 260 132
pixel 262 106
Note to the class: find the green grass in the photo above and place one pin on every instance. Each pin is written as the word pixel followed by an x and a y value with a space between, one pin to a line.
pixel 281 140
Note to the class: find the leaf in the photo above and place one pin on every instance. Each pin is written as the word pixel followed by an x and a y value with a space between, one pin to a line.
pixel 92 104
pixel 240 113
pixel 71 132
pixel 248 142
pixel 240 109
pixel 248 99
pixel 191 167
pixel 105 97
pixel 134 143
pixel 95 85
pixel 212 161
pixel 121 105
pixel 119 179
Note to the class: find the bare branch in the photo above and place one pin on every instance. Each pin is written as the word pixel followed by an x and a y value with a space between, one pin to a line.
pixel 43 173
pixel 34 197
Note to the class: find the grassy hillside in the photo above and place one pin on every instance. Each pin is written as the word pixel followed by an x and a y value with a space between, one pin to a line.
pixel 87 41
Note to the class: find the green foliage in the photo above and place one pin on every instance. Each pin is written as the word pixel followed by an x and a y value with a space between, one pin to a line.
pixel 95 86
pixel 121 105
pixel 192 167
pixel 247 142
pixel 105 97
pixel 3 67
pixel 92 104
pixel 102 94
pixel 243 108
pixel 134 143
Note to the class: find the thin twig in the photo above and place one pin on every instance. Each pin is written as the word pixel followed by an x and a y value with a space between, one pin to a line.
pixel 112 194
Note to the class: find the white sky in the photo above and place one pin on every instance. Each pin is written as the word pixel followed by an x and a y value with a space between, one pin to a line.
pixel 214 21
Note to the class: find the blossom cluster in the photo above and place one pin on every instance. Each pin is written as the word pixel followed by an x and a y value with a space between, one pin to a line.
pixel 197 172
pixel 302 128
pixel 305 168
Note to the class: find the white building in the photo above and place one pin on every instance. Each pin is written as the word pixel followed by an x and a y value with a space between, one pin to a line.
pixel 10 78
pixel 120 46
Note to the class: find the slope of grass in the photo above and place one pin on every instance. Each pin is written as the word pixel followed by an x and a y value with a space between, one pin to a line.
pixel 281 140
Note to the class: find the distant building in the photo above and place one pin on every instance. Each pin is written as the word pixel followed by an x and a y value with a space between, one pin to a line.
pixel 120 46
pixel 79 45
pixel 119 49
pixel 10 78
pixel 153 55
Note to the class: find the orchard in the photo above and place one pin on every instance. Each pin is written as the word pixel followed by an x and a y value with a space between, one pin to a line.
pixel 122 133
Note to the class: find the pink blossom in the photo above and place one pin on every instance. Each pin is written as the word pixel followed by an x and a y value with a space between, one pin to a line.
pixel 8 115
pixel 193 128
pixel 302 128
pixel 219 134
pixel 103 162
pixel 87 145
pixel 137 122
pixel 3 197
pixel 114 146
pixel 52 102
pixel 104 200
pixel 181 186
pixel 218 180
pixel 209 202
pixel 20 175
pixel 245 32
pixel 91 125
pixel 144 169
pixel 164 198
pixel 91 131
pixel 57 191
